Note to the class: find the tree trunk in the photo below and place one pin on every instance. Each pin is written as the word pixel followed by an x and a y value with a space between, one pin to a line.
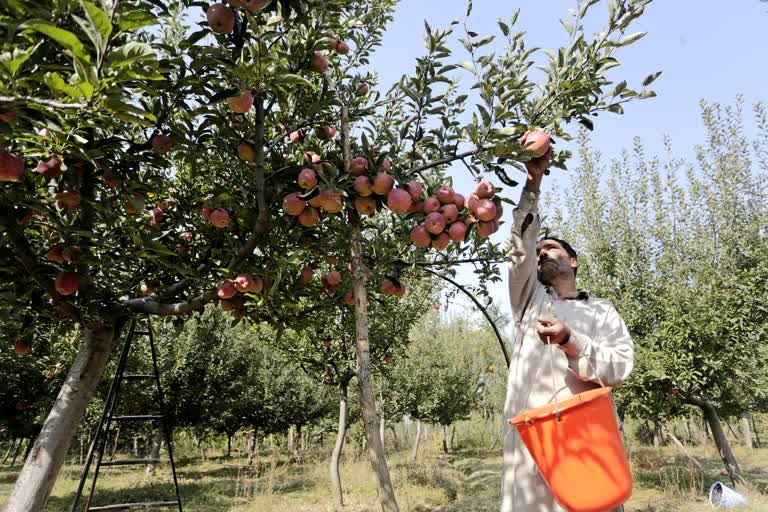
pixel 154 453
pixel 746 431
pixel 416 441
pixel 10 449
pixel 365 388
pixel 656 435
pixel 395 439
pixel 136 446
pixel 681 447
pixel 251 446
pixel 710 415
pixel 453 435
pixel 35 482
pixel 16 451
pixel 382 427
pixel 496 439
pixel 229 444
pixel 445 440
pixel 754 427
pixel 114 445
pixel 335 458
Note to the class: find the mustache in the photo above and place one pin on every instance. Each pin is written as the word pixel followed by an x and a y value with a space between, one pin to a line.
pixel 544 259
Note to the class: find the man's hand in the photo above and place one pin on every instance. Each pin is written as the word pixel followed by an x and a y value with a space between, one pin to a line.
pixel 536 169
pixel 552 330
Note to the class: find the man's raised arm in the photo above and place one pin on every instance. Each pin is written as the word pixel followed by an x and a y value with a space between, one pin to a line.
pixel 525 232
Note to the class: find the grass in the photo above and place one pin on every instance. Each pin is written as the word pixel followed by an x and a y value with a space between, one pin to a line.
pixel 463 481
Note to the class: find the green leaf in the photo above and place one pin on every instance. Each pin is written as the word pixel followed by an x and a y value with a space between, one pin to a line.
pixel 291 79
pixel 99 19
pixel 567 25
pixel 136 19
pixel 117 105
pixel 651 78
pixel 129 53
pixel 56 84
pixel 467 65
pixel 624 41
pixel 469 7
pixel 13 61
pixel 504 27
pixel 616 109
pixel 64 37
pixel 587 123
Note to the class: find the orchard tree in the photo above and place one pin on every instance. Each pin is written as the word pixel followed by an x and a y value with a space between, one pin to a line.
pixel 680 248
pixel 149 167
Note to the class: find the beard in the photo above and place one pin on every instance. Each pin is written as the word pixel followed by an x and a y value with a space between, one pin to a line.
pixel 548 271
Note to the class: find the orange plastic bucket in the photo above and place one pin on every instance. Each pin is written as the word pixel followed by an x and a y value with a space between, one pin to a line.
pixel 577 446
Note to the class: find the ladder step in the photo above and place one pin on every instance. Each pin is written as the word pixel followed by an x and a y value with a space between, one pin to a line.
pixel 130 462
pixel 141 417
pixel 146 504
pixel 138 376
pixel 141 333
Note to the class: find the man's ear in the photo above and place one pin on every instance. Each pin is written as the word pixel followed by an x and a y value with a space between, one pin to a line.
pixel 574 263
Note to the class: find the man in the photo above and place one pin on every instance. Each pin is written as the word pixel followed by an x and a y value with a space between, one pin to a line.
pixel 589 343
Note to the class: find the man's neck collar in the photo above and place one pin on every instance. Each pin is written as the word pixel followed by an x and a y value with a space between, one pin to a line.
pixel 580 294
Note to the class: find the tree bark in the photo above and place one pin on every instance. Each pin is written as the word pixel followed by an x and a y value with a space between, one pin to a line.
pixel 681 447
pixel 114 445
pixel 251 447
pixel 382 427
pixel 338 447
pixel 35 482
pixel 10 449
pixel 395 439
pixel 16 451
pixel 229 444
pixel 154 453
pixel 365 388
pixel 453 435
pixel 746 431
pixel 445 440
pixel 712 419
pixel 754 427
pixel 416 441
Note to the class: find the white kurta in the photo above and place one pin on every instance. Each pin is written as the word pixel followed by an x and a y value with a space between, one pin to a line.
pixel 600 350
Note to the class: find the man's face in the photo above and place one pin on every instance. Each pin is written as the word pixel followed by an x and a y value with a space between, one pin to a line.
pixel 553 262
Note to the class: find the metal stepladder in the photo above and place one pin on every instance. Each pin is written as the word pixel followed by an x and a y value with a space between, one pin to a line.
pixel 108 417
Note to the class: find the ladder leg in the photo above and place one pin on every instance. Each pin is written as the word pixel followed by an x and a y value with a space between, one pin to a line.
pixel 166 427
pixel 108 407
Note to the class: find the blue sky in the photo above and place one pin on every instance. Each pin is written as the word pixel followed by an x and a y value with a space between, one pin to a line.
pixel 706 50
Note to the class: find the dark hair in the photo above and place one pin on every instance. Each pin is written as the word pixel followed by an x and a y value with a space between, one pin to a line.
pixel 566 246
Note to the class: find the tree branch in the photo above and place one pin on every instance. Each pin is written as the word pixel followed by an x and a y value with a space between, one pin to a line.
pixel 480 306
pixel 448 159
pixel 153 307
pixel 40 101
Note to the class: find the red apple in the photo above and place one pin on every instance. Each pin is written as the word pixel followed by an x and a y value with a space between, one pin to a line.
pixel 56 254
pixel 226 289
pixel 246 150
pixel 162 144
pixel 71 254
pixel 296 137
pixel 242 103
pixel 221 19
pixel 256 5
pixel 471 202
pixel 331 201
pixel 333 277
pixel 400 293
pixel 420 236
pixel 341 47
pixel 111 179
pixel 399 201
pixel 50 168
pixel 219 218
pixel 441 241
pixel 457 231
pixel 349 298
pixel 318 63
pixel 445 194
pixel 358 166
pixel 383 183
pixel 247 283
pixel 431 204
pixel 485 210
pixel 386 166
pixel 362 186
pixel 293 205
pixel 536 142
pixel 11 167
pixel 307 179
pixel 435 223
pixel 499 212
pixel 414 188
pixel 325 132
pixel 486 229
pixel 306 275
pixel 365 205
pixel 309 217
pixel 69 199
pixel 21 348
pixel 67 283
pixel 387 287
pixel 458 200
pixel 450 213
pixel 362 89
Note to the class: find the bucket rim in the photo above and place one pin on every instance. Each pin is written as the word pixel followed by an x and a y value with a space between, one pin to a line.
pixel 548 411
